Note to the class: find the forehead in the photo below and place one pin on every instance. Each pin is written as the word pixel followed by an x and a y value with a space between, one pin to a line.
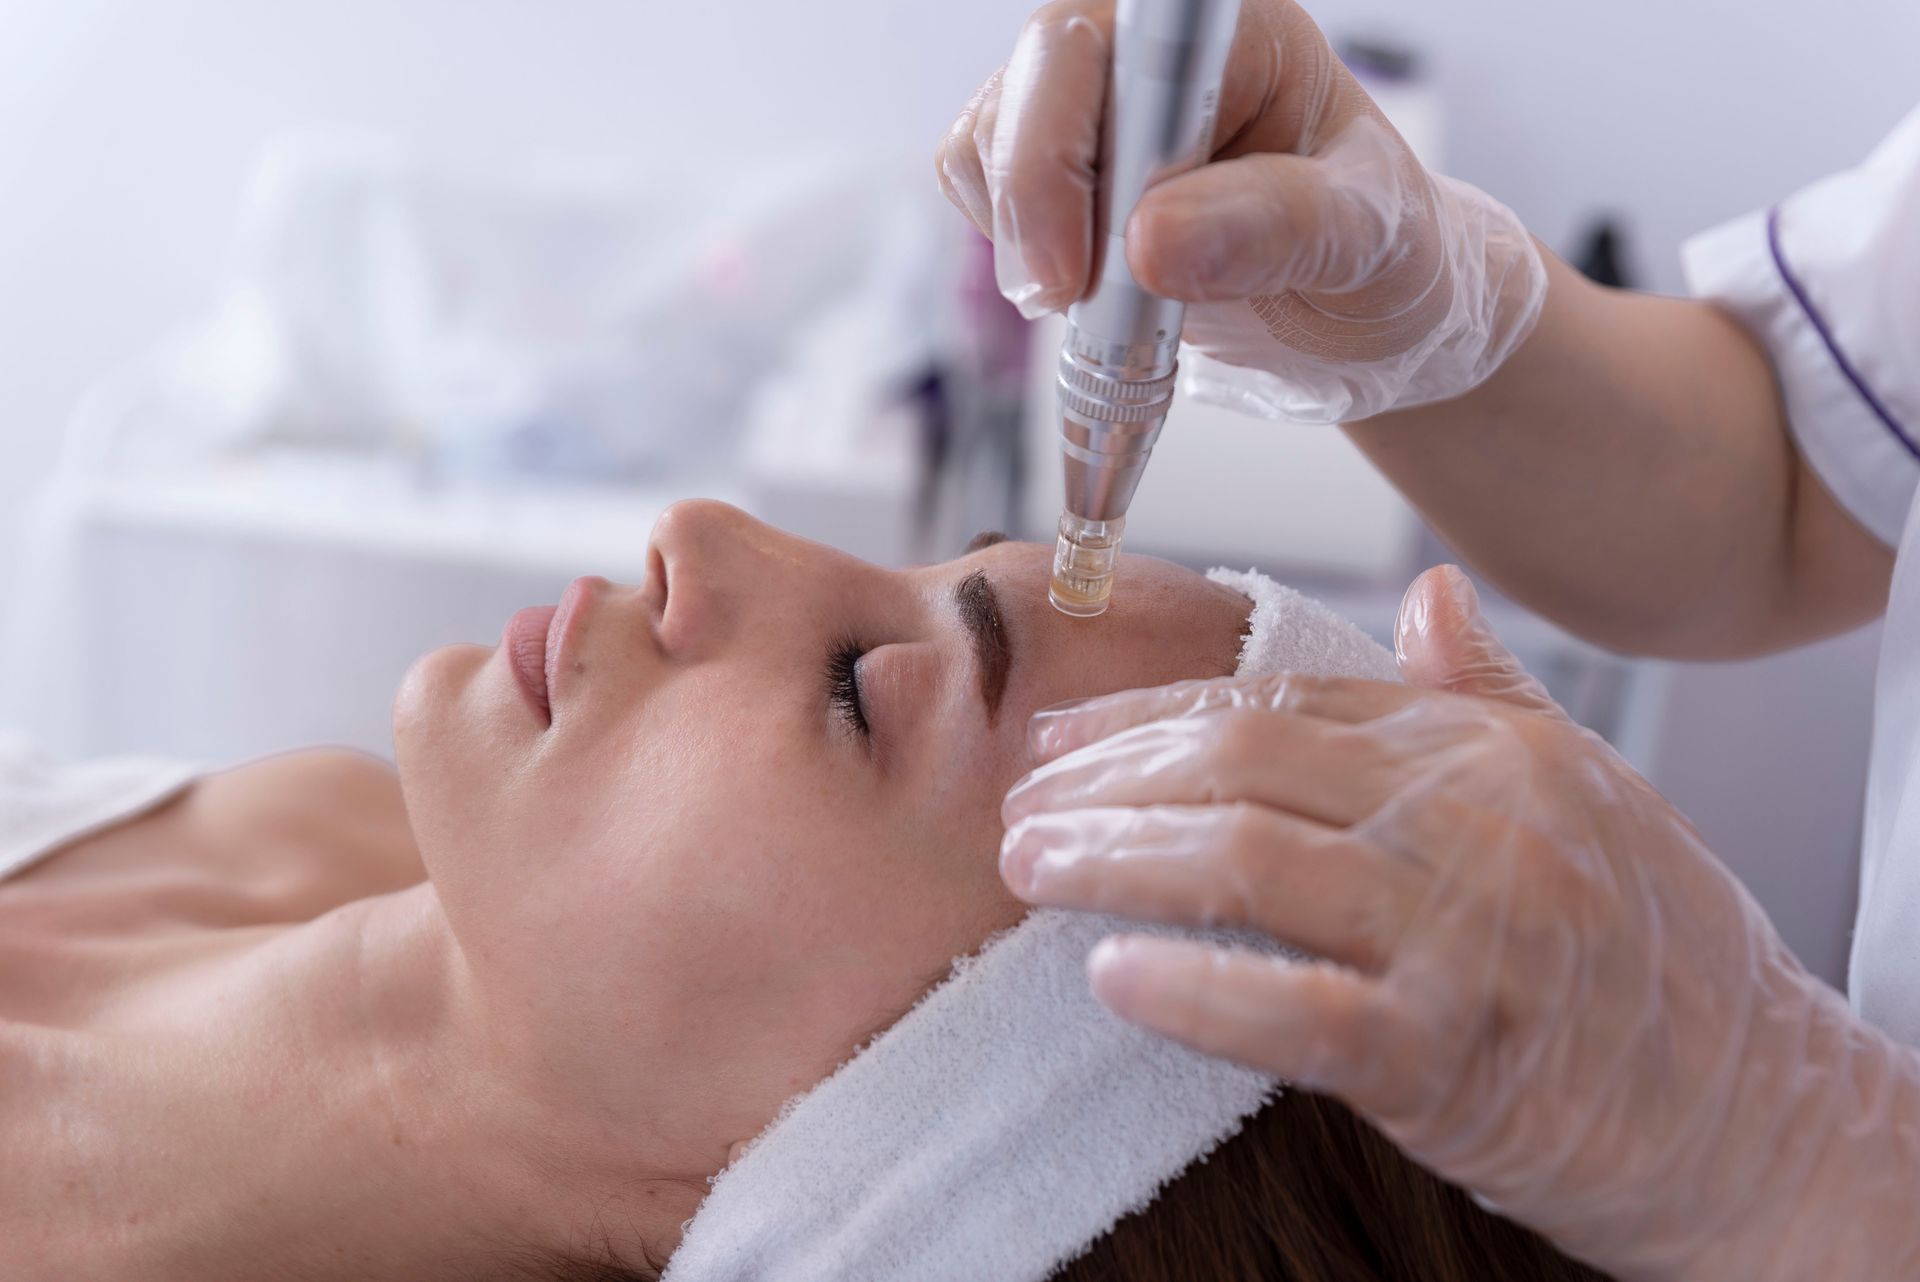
pixel 1166 622
pixel 1022 559
pixel 1141 582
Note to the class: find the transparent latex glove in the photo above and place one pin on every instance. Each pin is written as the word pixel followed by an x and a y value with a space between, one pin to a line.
pixel 1524 966
pixel 1331 276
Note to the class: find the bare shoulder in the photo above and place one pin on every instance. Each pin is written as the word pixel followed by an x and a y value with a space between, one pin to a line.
pixel 328 824
pixel 282 838
pixel 292 791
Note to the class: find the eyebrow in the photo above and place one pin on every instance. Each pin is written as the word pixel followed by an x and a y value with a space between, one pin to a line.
pixel 980 616
pixel 985 539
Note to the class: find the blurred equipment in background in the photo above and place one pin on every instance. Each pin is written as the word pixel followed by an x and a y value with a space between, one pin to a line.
pixel 426 400
pixel 975 462
pixel 572 324
pixel 1601 253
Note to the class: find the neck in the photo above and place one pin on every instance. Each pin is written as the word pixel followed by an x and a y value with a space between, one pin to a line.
pixel 319 1102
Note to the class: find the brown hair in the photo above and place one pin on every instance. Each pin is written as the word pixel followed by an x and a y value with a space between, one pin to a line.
pixel 1306 1192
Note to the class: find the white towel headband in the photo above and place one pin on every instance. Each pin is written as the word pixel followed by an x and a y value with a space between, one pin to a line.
pixel 1008 1120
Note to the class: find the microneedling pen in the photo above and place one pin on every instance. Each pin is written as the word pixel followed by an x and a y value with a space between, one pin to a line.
pixel 1117 363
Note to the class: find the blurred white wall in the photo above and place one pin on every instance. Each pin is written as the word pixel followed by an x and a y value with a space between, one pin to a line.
pixel 1768 758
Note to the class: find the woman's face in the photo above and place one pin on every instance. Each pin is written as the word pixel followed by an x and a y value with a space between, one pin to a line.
pixel 762 816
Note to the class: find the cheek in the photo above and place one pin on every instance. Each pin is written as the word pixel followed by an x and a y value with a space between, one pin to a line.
pixel 771 867
pixel 708 868
pixel 807 915
pixel 762 930
pixel 702 835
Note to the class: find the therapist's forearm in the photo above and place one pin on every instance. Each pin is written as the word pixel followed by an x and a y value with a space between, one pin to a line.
pixel 1628 474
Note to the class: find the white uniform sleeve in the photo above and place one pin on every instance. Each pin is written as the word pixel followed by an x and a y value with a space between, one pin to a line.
pixel 1829 280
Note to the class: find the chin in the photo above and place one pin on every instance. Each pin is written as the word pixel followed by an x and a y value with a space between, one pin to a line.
pixel 434 700
pixel 445 743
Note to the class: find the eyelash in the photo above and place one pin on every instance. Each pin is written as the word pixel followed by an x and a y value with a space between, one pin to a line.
pixel 843 686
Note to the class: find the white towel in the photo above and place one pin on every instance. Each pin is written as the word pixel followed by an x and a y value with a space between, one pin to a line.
pixel 1008 1120
pixel 1292 633
pixel 44 805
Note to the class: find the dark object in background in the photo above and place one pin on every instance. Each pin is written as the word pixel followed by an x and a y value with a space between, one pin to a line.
pixel 1376 59
pixel 1602 255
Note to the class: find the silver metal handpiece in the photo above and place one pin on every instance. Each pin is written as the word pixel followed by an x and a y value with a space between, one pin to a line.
pixel 1117 363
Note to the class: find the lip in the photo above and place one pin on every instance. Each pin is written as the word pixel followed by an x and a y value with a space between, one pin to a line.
pixel 563 632
pixel 525 642
pixel 538 638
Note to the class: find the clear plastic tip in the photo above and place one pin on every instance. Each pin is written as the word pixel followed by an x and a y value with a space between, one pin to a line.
pixel 1083 561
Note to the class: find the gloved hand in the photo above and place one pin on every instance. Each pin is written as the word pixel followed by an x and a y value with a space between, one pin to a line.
pixel 1331 276
pixel 1528 971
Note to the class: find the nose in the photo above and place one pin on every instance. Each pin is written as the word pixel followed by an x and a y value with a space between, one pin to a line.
pixel 716 561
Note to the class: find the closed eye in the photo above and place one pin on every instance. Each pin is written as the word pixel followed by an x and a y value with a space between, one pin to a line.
pixel 843 686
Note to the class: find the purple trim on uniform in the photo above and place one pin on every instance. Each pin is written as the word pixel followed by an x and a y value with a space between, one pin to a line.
pixel 1874 403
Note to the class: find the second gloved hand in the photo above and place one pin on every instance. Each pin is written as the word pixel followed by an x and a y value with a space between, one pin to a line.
pixel 1331 277
pixel 1527 970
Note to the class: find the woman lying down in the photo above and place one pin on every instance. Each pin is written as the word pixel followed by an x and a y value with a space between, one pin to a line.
pixel 658 891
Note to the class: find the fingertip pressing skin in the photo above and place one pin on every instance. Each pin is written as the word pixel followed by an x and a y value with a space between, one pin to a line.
pixel 1018 854
pixel 1113 970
